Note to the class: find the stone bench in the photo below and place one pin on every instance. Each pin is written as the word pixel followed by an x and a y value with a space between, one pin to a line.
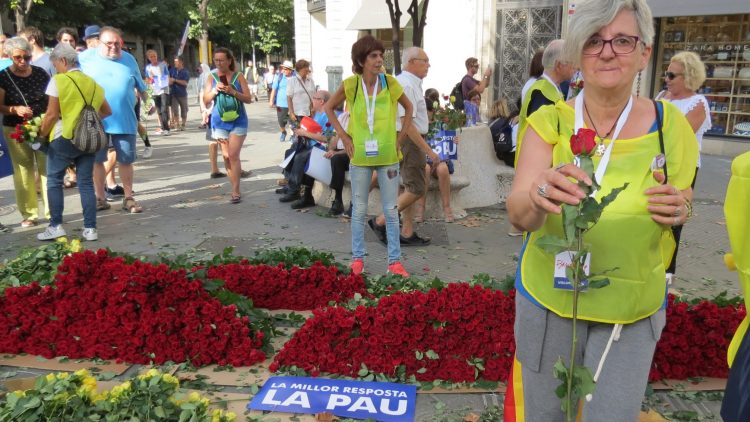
pixel 479 179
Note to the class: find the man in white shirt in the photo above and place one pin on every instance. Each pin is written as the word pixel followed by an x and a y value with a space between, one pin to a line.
pixel 299 91
pixel 414 148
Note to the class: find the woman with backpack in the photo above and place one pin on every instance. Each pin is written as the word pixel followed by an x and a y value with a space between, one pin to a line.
pixel 228 90
pixel 69 92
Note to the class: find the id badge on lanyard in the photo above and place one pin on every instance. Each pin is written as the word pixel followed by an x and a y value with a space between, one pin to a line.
pixel 563 260
pixel 371 144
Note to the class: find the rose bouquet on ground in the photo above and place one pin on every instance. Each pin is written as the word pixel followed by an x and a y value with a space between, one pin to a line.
pixel 577 380
pixel 28 132
pixel 446 118
pixel 153 396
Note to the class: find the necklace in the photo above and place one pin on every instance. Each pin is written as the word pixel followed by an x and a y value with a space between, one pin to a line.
pixel 600 145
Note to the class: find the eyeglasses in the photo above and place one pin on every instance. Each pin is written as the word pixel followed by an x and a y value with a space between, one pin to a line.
pixel 426 61
pixel 25 57
pixel 671 75
pixel 621 44
pixel 111 44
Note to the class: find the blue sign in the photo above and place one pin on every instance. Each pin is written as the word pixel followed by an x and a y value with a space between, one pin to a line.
pixel 6 166
pixel 381 401
pixel 443 145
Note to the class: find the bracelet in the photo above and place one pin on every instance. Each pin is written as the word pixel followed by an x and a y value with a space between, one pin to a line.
pixel 689 208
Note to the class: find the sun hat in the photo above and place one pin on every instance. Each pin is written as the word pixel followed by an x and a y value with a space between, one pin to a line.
pixel 91 31
pixel 288 64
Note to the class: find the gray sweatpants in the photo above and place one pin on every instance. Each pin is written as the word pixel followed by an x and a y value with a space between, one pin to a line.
pixel 542 337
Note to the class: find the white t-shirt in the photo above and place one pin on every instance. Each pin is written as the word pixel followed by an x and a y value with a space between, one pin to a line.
pixel 688 104
pixel 301 92
pixel 413 89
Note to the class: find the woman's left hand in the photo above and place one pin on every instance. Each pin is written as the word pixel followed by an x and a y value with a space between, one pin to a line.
pixel 667 204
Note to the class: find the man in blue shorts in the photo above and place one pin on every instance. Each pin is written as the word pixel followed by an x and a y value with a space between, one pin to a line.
pixel 117 72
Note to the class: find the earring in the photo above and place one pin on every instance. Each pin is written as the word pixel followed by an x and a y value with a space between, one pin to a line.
pixel 638 85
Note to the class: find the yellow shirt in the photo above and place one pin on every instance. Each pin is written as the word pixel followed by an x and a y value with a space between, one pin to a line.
pixel 71 100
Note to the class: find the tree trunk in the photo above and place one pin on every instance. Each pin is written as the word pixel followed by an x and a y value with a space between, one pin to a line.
pixel 418 21
pixel 21 11
pixel 395 12
pixel 203 42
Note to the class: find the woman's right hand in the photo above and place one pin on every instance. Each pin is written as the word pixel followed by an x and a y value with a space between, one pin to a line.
pixel 348 144
pixel 22 111
pixel 552 188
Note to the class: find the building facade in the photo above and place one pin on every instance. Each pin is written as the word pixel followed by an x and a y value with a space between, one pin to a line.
pixel 504 34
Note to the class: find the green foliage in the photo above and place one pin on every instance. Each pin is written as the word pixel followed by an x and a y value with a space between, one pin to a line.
pixel 583 384
pixel 35 264
pixel 721 300
pixel 295 256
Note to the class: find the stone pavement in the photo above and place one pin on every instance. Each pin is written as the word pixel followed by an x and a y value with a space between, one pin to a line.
pixel 185 209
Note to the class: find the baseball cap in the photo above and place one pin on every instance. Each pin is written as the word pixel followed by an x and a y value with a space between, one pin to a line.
pixel 91 31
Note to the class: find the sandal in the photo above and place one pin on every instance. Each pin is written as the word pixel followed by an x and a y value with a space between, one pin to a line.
pixel 236 199
pixel 67 183
pixel 448 214
pixel 102 204
pixel 129 204
pixel 28 223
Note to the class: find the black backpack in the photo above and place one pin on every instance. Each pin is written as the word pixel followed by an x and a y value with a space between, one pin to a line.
pixel 458 94
pixel 502 139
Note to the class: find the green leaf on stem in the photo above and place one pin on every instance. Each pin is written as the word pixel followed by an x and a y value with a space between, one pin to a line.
pixel 569 214
pixel 612 195
pixel 553 244
pixel 598 283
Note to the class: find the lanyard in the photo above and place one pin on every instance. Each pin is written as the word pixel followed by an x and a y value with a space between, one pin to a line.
pixel 370 107
pixel 604 162
pixel 557 87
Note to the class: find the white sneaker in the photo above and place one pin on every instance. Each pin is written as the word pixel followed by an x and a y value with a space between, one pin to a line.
pixel 165 133
pixel 90 234
pixel 148 152
pixel 51 233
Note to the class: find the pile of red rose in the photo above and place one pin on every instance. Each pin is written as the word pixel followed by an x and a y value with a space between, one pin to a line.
pixel 102 307
pixel 460 333
pixel 298 289
pixel 695 340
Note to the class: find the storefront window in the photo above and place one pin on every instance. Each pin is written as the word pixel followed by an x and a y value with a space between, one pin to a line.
pixel 723 42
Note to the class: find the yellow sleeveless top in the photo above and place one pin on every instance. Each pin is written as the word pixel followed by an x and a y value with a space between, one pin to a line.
pixel 384 131
pixel 71 101
pixel 550 92
pixel 625 239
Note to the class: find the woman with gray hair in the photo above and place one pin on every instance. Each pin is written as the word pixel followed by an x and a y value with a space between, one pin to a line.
pixel 685 74
pixel 641 143
pixel 69 91
pixel 22 97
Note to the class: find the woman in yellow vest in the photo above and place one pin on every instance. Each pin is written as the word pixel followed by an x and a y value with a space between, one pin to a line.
pixel 372 144
pixel 735 407
pixel 611 41
pixel 69 90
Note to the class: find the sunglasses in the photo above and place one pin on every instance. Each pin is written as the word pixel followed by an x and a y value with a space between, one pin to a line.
pixel 671 75
pixel 26 57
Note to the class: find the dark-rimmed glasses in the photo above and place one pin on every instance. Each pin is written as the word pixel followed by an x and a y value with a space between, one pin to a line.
pixel 621 44
pixel 25 57
pixel 671 75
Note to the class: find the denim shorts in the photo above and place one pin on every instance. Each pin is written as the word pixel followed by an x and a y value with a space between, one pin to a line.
pixel 124 146
pixel 217 133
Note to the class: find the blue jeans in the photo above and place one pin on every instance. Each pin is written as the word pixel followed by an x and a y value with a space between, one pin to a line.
pixel 60 155
pixel 388 180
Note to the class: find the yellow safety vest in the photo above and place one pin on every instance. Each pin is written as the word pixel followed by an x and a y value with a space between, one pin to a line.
pixel 736 211
pixel 625 238
pixel 550 91
pixel 386 108
pixel 71 101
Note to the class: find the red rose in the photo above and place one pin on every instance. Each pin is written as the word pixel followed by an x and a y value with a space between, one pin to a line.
pixel 583 142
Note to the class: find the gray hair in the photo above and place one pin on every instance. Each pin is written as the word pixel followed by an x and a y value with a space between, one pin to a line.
pixel 16 43
pixel 64 51
pixel 409 54
pixel 324 94
pixel 552 54
pixel 592 15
